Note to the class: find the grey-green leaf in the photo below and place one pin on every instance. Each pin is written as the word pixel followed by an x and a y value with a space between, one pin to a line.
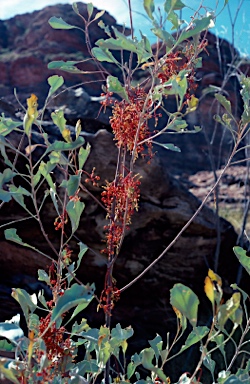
pixel 74 210
pixel 83 155
pixel 149 7
pixel 186 301
pixel 67 66
pixel 115 86
pixel 55 82
pixel 103 54
pixel 75 295
pixel 197 27
pixel 59 23
pixel 90 9
pixel 195 336
pixel 169 146
pixel 243 258
pixel 224 102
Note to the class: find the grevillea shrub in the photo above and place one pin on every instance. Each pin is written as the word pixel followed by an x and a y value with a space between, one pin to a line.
pixel 48 351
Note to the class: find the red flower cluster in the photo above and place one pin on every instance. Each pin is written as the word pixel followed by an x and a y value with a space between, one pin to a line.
pixel 60 221
pixel 129 121
pixel 92 178
pixel 53 339
pixel 171 67
pixel 56 346
pixel 121 199
pixel 178 61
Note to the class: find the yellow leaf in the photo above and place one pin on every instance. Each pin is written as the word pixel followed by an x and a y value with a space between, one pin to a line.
pixel 30 347
pixel 31 113
pixel 192 104
pixel 66 135
pixel 214 277
pixel 32 105
pixel 209 289
pixel 31 148
pixel 236 298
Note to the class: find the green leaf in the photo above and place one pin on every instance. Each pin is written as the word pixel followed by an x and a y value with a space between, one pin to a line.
pixel 59 23
pixel 173 5
pixel 63 146
pixel 197 27
pixel 18 194
pixel 179 125
pixel 43 276
pixel 25 301
pixel 195 336
pixel 174 20
pixel 219 340
pixel 11 331
pixel 8 125
pixel 90 9
pixel 72 184
pixel 209 363
pixel 11 235
pixel 80 307
pixel 135 361
pixel 103 54
pixel 156 344
pixel 146 42
pixel 57 157
pixel 3 151
pixel 67 66
pixel 186 301
pixel 122 334
pixel 245 93
pixel 6 176
pixel 74 210
pixel 45 169
pixel 164 36
pixel 169 146
pixel 104 27
pixel 73 296
pixel 149 8
pixel 147 356
pixel 84 367
pixel 244 294
pixel 55 82
pixel 99 14
pixel 114 85
pixel 83 155
pixel 224 102
pixel 53 196
pixel 41 298
pixel 120 43
pixel 59 119
pixel 83 250
pixel 243 258
pixel 227 311
pixel 5 196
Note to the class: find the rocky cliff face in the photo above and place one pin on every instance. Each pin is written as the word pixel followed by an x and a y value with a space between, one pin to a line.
pixel 27 44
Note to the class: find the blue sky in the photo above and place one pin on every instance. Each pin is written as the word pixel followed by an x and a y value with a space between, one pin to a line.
pixel 118 8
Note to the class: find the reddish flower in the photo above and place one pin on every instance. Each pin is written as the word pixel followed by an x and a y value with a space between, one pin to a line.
pixel 129 121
